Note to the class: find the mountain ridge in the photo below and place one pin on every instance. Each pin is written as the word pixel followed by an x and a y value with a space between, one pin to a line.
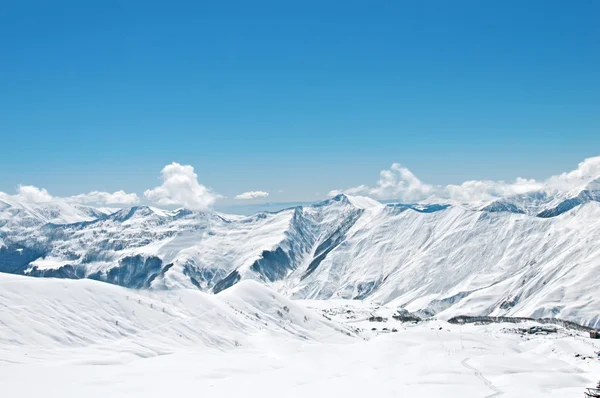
pixel 434 258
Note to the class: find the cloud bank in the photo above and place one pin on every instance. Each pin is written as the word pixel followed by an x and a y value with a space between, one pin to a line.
pixel 400 183
pixel 116 198
pixel 33 194
pixel 252 195
pixel 180 187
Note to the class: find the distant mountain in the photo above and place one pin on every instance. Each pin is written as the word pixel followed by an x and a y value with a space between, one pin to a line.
pixel 19 213
pixel 547 202
pixel 532 255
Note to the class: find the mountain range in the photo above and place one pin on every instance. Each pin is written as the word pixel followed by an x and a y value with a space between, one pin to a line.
pixel 533 254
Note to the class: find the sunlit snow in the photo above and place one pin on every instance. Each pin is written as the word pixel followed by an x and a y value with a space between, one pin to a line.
pixel 64 338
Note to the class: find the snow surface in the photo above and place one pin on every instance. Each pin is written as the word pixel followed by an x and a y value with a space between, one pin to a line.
pixel 83 338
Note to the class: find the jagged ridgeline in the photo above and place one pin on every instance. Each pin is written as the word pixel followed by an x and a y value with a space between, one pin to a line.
pixel 528 255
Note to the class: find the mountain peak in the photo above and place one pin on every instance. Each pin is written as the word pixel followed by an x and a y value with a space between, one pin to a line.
pixel 363 202
pixel 360 202
pixel 593 186
pixel 129 212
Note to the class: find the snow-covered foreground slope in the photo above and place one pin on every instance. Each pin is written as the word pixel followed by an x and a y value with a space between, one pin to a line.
pixel 38 316
pixel 440 260
pixel 85 338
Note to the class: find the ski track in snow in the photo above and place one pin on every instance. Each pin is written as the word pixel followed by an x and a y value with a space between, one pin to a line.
pixel 497 392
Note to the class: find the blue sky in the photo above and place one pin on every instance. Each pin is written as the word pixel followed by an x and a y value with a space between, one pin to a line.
pixel 294 98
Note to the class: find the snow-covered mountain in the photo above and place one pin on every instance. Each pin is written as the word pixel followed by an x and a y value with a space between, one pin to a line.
pixel 24 214
pixel 548 201
pixel 531 255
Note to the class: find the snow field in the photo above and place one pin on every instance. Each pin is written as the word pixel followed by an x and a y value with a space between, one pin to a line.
pixel 64 338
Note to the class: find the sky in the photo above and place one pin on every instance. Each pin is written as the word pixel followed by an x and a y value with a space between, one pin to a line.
pixel 292 99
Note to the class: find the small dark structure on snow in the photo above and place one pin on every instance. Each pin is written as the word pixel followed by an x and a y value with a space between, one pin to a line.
pixel 594 334
pixel 464 319
pixel 403 315
pixel 538 330
pixel 593 392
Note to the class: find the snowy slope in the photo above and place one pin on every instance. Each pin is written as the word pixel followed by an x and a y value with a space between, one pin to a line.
pixel 38 315
pixel 474 262
pixel 62 338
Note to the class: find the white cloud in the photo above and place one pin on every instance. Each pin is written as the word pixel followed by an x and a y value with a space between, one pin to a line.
pixel 29 193
pixel 116 198
pixel 400 183
pixel 252 195
pixel 475 190
pixel 396 183
pixel 33 194
pixel 180 187
pixel 585 172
